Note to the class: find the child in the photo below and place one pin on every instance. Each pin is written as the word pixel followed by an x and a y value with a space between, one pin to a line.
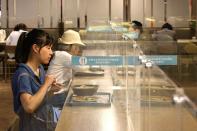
pixel 29 83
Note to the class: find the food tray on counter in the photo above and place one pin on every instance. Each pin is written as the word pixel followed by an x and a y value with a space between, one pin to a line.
pixel 157 101
pixel 99 99
pixel 122 73
pixel 89 73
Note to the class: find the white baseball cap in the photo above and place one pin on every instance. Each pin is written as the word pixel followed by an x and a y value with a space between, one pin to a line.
pixel 71 37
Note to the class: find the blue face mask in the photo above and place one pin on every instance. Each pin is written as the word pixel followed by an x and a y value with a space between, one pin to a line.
pixel 131 35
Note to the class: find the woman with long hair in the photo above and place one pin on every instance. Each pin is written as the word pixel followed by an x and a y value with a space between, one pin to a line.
pixel 30 85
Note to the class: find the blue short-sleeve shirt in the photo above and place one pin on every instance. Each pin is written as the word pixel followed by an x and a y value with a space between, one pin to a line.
pixel 25 81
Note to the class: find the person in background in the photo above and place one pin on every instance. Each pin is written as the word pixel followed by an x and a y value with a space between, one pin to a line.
pixel 166 33
pixel 136 26
pixel 70 44
pixel 134 31
pixel 14 35
pixel 30 85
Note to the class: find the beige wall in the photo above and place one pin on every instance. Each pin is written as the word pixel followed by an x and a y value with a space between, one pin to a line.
pixel 177 12
pixel 46 13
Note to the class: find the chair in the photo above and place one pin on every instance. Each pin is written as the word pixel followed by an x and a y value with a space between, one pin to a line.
pixel 2 56
pixel 2 52
pixel 162 37
pixel 166 48
pixel 188 59
pixel 2 47
pixel 9 62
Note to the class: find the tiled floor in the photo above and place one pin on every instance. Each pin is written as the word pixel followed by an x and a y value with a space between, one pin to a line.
pixel 7 116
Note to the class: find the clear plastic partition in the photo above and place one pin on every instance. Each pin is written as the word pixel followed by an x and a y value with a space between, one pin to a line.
pixel 103 64
pixel 141 80
pixel 104 30
pixel 166 102
pixel 120 84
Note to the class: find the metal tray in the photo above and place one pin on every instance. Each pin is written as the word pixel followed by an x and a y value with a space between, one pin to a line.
pixel 157 101
pixel 101 99
pixel 89 73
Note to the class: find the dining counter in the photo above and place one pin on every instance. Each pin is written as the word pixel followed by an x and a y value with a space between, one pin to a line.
pixel 127 111
pixel 141 100
pixel 187 41
pixel 94 118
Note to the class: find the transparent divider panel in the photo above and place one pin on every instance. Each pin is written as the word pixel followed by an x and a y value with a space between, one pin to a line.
pixel 108 57
pixel 163 101
pixel 104 30
pixel 141 81
pixel 144 79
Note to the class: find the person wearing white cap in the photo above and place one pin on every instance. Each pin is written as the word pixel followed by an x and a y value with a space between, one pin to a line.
pixel 60 66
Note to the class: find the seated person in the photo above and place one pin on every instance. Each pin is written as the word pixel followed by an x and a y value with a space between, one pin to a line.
pixel 136 26
pixel 61 67
pixel 134 31
pixel 14 36
pixel 166 33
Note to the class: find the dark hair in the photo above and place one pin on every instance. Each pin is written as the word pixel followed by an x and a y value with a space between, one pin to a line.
pixel 168 26
pixel 20 26
pixel 137 25
pixel 26 40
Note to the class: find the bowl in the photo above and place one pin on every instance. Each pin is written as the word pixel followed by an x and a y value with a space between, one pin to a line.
pixel 85 90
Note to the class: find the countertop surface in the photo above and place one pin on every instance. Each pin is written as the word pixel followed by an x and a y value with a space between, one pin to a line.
pixel 126 113
pixel 133 106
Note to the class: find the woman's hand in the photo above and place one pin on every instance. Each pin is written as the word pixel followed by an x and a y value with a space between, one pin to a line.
pixel 56 87
pixel 49 80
